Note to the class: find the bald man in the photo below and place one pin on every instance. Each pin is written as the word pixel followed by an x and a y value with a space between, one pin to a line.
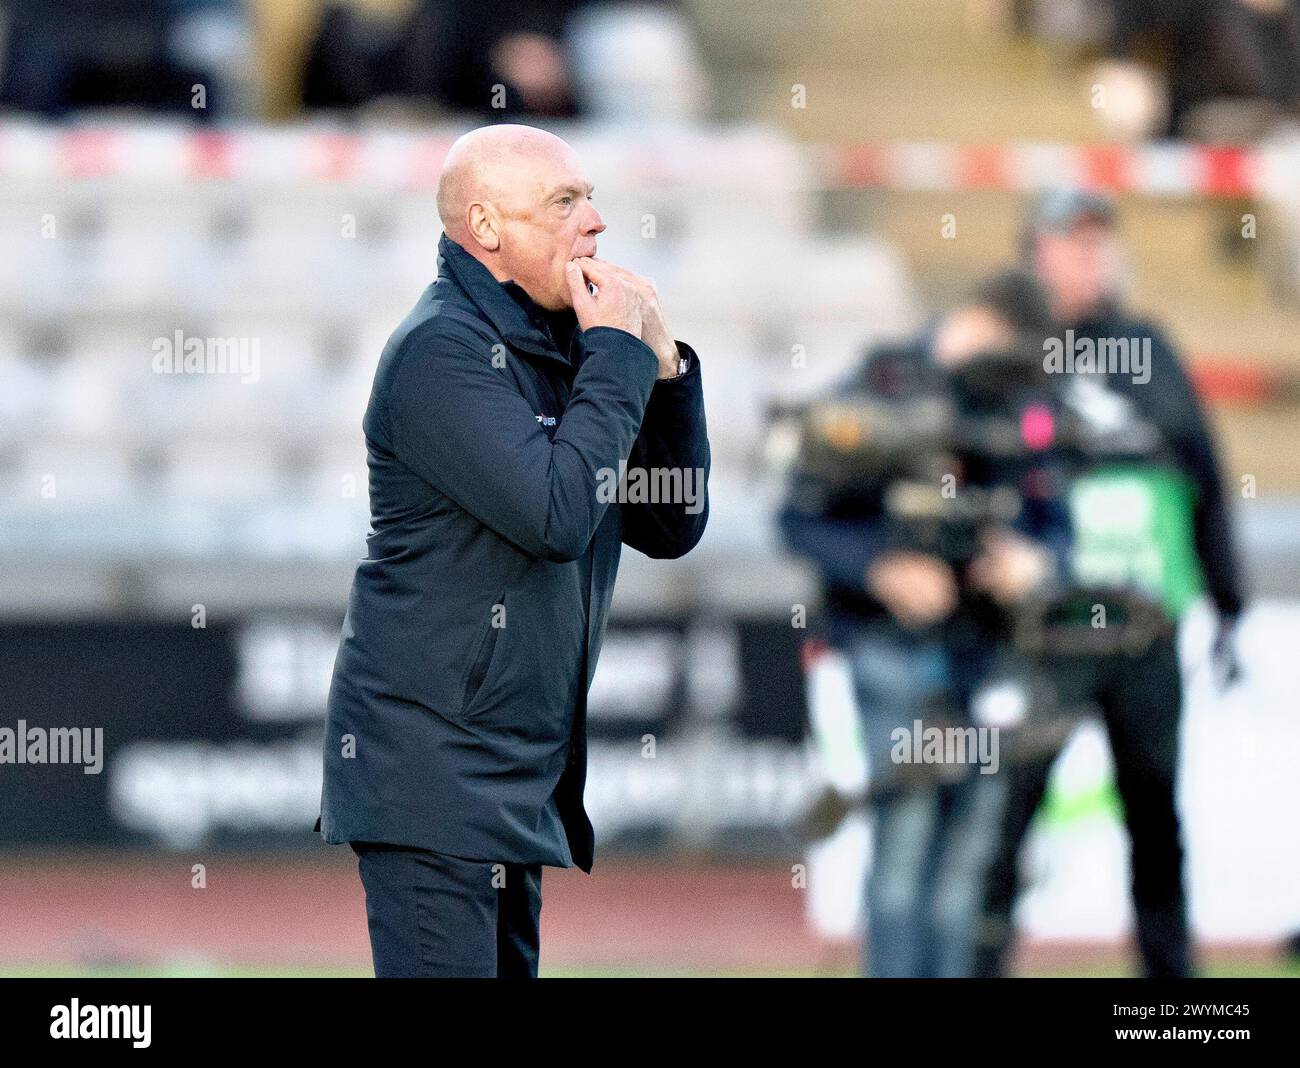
pixel 503 410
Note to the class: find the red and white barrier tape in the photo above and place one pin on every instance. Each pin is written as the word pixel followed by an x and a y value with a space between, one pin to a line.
pixel 287 156
pixel 262 156
pixel 1158 169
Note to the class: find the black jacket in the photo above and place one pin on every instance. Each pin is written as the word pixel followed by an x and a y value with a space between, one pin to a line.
pixel 1170 403
pixel 457 714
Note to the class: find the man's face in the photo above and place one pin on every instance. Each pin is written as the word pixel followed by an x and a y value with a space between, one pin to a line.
pixel 1079 268
pixel 547 220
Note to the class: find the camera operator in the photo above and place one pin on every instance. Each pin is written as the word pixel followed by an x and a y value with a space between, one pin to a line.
pixel 922 622
pixel 1071 246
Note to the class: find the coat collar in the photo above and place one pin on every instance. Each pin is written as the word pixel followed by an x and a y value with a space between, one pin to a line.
pixel 503 304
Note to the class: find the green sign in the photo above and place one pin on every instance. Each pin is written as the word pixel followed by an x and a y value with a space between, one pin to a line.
pixel 1133 530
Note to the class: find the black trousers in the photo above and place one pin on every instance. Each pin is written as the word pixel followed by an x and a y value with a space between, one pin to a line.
pixel 1141 701
pixel 434 915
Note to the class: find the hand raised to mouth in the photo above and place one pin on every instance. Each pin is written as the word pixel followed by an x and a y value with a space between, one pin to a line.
pixel 616 302
pixel 654 330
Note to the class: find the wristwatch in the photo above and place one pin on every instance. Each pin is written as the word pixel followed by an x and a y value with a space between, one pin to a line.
pixel 683 365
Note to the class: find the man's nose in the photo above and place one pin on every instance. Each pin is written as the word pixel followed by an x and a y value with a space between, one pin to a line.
pixel 595 225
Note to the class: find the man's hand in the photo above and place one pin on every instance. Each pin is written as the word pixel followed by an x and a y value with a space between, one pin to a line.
pixel 654 331
pixel 917 589
pixel 617 302
pixel 1009 568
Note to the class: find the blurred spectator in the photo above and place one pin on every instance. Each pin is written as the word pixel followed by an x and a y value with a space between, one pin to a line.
pixel 1071 245
pixel 183 57
pixel 449 53
pixel 508 58
pixel 923 623
pixel 1208 51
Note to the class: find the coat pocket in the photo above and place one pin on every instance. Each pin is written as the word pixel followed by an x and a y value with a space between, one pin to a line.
pixel 482 662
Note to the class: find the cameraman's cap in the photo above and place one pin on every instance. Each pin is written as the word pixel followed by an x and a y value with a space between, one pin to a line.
pixel 1061 210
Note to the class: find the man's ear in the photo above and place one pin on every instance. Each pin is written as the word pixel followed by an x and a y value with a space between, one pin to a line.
pixel 483 227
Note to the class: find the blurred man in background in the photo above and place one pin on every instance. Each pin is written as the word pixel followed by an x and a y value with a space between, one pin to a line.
pixel 1071 245
pixel 923 622
pixel 499 59
pixel 450 53
pixel 1211 51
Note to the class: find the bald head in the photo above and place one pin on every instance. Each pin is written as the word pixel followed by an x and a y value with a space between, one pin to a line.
pixel 492 163
pixel 516 199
